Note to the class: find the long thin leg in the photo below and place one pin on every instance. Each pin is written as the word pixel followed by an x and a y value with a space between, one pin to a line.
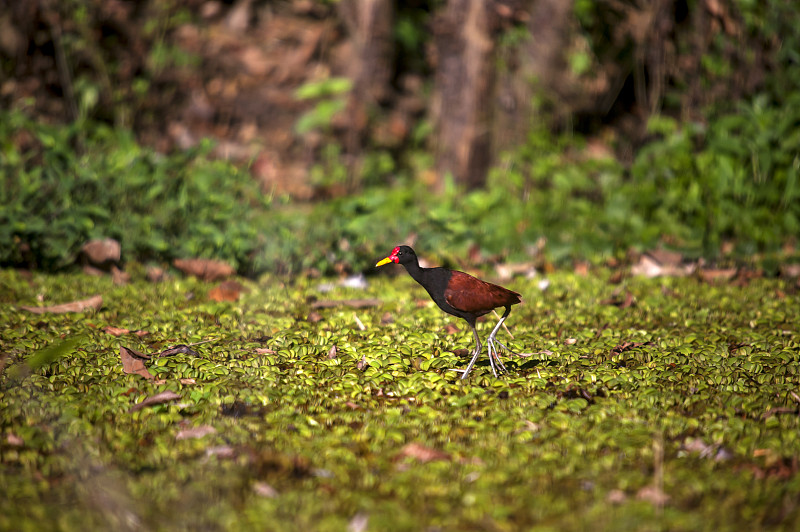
pixel 475 353
pixel 492 342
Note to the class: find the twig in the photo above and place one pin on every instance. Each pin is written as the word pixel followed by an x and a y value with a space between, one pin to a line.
pixel 361 326
pixel 504 325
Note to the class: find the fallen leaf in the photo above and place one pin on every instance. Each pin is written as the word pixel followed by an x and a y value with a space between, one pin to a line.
pixel 660 262
pixel 132 362
pixel 205 269
pixel 116 331
pixel 790 271
pixel 223 451
pixel 505 272
pixel 14 441
pixel 451 328
pixel 616 496
pixel 332 353
pixel 653 495
pixel 178 349
pixel 119 277
pixel 666 257
pixel 226 291
pixel 264 351
pixel 362 363
pixel 314 317
pixel 620 302
pixel 140 334
pixel 102 250
pixel 93 303
pixel 153 400
pixel 195 432
pixel 358 523
pixel 617 277
pixel 627 346
pixel 421 453
pixel 387 318
pixel 712 275
pixel 265 490
pixel 188 381
pixel 91 270
pixel 581 268
pixel 155 274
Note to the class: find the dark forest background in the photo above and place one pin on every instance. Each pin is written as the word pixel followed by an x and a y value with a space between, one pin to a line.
pixel 315 135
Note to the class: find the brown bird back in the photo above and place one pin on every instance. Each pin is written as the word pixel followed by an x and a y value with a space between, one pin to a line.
pixel 469 294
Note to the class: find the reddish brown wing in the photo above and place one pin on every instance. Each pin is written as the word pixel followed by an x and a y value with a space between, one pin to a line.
pixel 466 293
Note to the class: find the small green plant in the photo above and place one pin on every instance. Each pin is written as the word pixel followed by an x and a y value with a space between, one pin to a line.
pixel 53 199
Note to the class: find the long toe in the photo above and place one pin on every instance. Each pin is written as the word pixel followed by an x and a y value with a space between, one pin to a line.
pixel 495 355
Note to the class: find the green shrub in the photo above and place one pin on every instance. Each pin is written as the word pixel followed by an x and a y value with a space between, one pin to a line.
pixel 67 187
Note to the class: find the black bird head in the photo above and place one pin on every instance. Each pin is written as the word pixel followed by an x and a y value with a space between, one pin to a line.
pixel 400 255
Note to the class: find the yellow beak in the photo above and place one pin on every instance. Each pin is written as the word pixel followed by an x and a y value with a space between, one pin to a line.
pixel 387 260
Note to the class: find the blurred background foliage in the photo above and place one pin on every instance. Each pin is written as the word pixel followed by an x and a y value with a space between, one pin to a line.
pixel 182 128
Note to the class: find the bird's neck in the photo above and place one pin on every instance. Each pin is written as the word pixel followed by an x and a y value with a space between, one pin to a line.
pixel 414 270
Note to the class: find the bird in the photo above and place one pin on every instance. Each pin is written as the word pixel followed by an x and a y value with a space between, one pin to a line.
pixel 461 295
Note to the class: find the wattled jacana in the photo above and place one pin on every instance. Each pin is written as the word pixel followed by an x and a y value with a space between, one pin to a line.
pixel 462 295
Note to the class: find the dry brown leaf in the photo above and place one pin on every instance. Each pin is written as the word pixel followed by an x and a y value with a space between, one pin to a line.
pixel 119 277
pixel 223 451
pixel 264 351
pixel 155 274
pixel 91 270
pixel 616 496
pixel 205 269
pixel 362 363
pixel 102 250
pixel 179 349
pixel 505 272
pixel 133 362
pixel 790 271
pixel 665 257
pixel 265 490
pixel 332 352
pixel 157 399
pixel 711 275
pixel 653 495
pixel 314 317
pixel 421 453
pixel 621 302
pixel 226 291
pixel 93 303
pixel 650 266
pixel 116 331
pixel 359 523
pixel 195 432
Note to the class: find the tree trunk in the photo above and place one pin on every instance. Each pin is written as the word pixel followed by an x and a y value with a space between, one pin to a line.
pixel 370 24
pixel 463 95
